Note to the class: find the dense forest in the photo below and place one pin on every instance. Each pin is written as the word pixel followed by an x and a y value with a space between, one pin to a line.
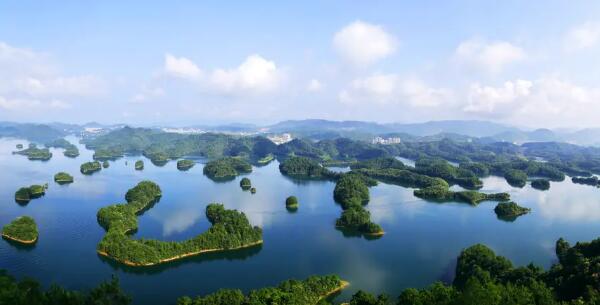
pixel 34 153
pixel 226 168
pixel 230 230
pixel 63 178
pixel 22 229
pixel 89 168
pixel 25 194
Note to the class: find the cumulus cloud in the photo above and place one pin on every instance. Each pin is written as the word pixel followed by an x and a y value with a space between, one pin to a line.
pixel 362 43
pixel 30 79
pixel 583 36
pixel 391 89
pixel 314 85
pixel 548 101
pixel 181 67
pixel 491 57
pixel 255 75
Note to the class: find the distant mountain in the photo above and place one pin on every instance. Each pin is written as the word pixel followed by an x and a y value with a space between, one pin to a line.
pixel 40 133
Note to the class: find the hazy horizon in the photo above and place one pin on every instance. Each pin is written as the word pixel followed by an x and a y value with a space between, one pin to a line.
pixel 208 64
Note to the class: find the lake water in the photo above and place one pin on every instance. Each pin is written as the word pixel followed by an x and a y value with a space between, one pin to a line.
pixel 420 246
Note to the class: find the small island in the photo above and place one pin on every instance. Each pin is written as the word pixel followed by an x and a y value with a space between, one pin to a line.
pixel 541 184
pixel 89 168
pixel 593 180
pixel 139 165
pixel 25 194
pixel 22 230
pixel 70 150
pixel 63 178
pixel 509 211
pixel 34 153
pixel 185 164
pixel 230 230
pixel 19 146
pixel 253 190
pixel 226 168
pixel 105 164
pixel 515 177
pixel 245 184
pixel 352 192
pixel 291 203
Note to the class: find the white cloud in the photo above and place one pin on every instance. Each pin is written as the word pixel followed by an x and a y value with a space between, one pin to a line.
pixel 30 80
pixel 147 93
pixel 314 85
pixel 256 75
pixel 548 102
pixel 583 36
pixel 181 67
pixel 362 43
pixel 391 89
pixel 491 57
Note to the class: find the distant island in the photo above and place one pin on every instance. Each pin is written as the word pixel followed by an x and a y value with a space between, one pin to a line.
pixel 593 180
pixel 63 178
pixel 291 203
pixel 70 150
pixel 35 153
pixel 185 164
pixel 139 165
pixel 509 211
pixel 25 194
pixel 541 184
pixel 89 168
pixel 230 230
pixel 22 230
pixel 245 184
pixel 226 168
pixel 105 164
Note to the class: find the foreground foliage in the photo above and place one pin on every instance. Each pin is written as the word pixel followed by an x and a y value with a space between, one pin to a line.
pixel 230 230
pixel 306 292
pixel 22 229
pixel 30 292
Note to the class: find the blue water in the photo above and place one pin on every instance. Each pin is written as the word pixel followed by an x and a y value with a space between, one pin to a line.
pixel 420 246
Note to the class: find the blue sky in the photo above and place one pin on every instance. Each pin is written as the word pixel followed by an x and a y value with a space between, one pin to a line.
pixel 529 63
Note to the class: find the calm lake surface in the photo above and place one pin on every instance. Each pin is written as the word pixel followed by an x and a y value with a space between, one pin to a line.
pixel 420 246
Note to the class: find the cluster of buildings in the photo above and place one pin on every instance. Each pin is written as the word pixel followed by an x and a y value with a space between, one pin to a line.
pixel 280 139
pixel 385 141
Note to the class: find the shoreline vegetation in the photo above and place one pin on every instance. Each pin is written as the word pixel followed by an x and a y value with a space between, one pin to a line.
pixel 70 150
pixel 230 231
pixel 510 211
pixel 310 291
pixel 63 178
pixel 89 168
pixel 22 230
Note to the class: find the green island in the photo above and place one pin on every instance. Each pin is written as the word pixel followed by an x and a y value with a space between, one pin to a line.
pixel 105 164
pixel 139 165
pixel 310 291
pixel 70 150
pixel 515 177
pixel 303 167
pixel 22 230
pixel 35 153
pixel 226 168
pixel 104 154
pixel 509 211
pixel 91 167
pixel 157 158
pixel 19 146
pixel 185 164
pixel 245 184
pixel 291 203
pixel 253 190
pixel 25 194
pixel 63 178
pixel 540 184
pixel 593 180
pixel 230 230
pixel 352 192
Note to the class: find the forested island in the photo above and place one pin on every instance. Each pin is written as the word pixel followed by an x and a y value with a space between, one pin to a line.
pixel 22 230
pixel 541 184
pixel 185 164
pixel 291 203
pixel 70 150
pixel 35 153
pixel 105 164
pixel 63 178
pixel 89 168
pixel 139 165
pixel 25 194
pixel 226 168
pixel 230 230
pixel 593 180
pixel 245 184
pixel 307 292
pixel 509 211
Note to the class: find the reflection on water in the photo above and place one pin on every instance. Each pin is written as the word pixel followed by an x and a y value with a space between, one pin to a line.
pixel 420 246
